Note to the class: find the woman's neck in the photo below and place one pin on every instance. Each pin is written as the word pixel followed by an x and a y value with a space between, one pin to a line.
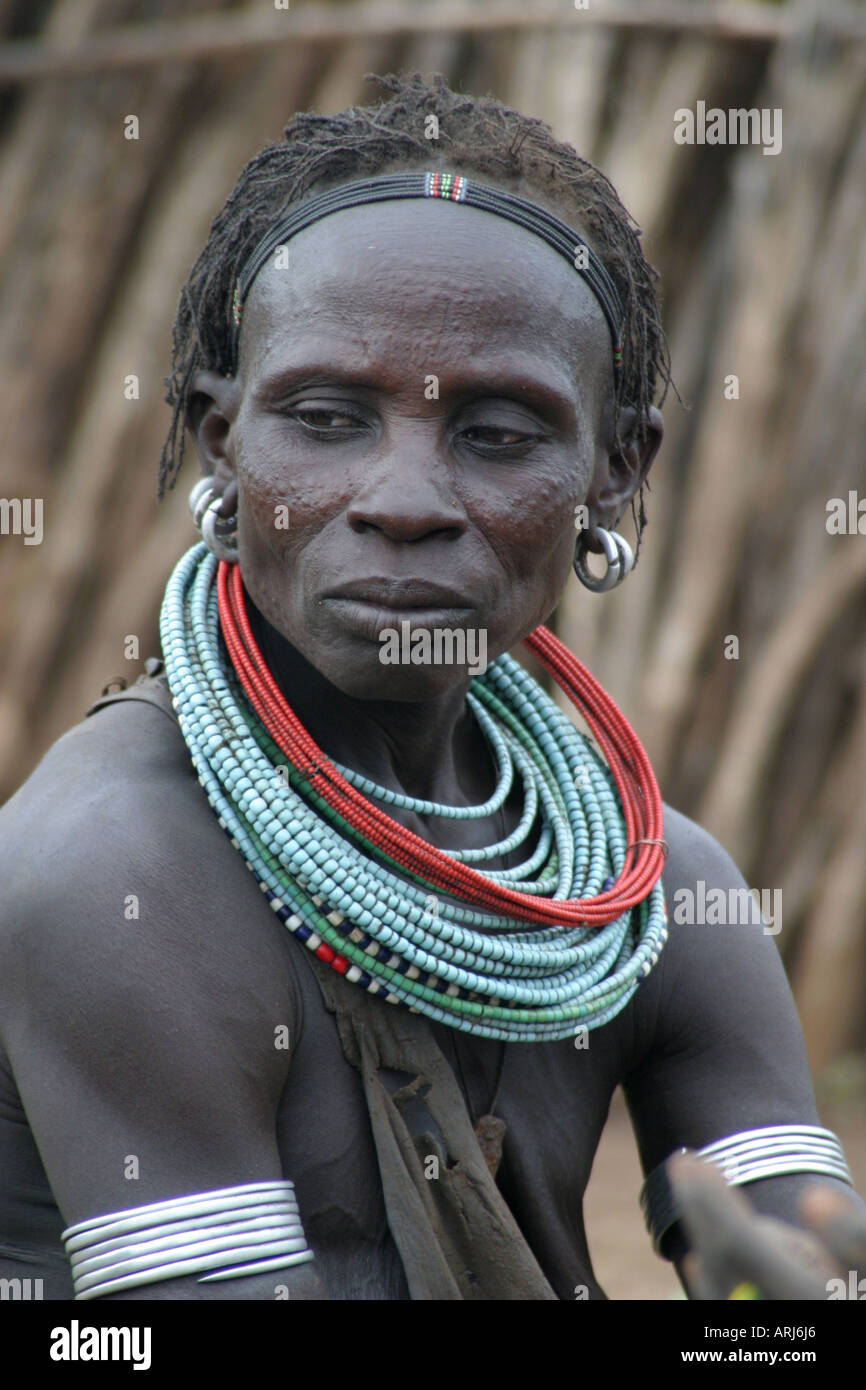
pixel 431 749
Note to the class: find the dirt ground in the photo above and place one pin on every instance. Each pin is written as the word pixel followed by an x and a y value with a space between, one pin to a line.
pixel 622 1255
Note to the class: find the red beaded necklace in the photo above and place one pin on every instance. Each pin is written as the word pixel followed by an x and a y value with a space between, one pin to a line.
pixel 626 757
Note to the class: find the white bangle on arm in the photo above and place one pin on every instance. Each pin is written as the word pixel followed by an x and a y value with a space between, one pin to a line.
pixel 229 1232
pixel 747 1157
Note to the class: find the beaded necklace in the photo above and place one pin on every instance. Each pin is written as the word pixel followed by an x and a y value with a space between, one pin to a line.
pixel 530 953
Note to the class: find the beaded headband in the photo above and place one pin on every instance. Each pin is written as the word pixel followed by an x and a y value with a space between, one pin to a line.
pixel 456 189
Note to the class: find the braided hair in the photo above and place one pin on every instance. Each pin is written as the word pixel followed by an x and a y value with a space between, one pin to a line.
pixel 478 133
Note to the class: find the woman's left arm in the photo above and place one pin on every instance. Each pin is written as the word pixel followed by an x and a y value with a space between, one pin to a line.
pixel 719 1051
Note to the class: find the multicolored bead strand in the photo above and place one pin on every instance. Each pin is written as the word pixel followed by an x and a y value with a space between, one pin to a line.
pixel 364 900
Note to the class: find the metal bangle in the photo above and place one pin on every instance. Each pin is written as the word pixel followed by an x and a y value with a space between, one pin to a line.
pixel 774 1151
pixel 265 1211
pixel 167 1241
pixel 805 1136
pixel 197 1204
pixel 223 1234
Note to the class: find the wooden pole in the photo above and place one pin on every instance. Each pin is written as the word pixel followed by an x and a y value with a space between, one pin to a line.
pixel 255 28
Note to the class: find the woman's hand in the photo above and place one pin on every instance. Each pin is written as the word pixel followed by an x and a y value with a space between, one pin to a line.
pixel 736 1254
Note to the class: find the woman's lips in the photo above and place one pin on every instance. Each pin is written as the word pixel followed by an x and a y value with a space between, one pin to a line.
pixel 370 605
pixel 369 618
pixel 408 592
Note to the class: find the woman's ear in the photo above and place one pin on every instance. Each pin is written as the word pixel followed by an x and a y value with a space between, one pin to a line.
pixel 213 406
pixel 623 467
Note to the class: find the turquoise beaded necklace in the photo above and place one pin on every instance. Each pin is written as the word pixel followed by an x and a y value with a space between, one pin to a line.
pixel 479 972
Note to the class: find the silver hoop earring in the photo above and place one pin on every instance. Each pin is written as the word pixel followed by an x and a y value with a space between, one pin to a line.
pixel 200 498
pixel 620 560
pixel 219 533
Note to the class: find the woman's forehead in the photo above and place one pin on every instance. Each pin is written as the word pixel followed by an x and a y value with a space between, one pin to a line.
pixel 423 272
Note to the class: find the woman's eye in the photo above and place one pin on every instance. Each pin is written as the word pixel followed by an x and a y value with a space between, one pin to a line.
pixel 324 421
pixel 496 436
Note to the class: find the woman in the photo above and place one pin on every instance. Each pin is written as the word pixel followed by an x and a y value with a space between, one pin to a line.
pixel 417 403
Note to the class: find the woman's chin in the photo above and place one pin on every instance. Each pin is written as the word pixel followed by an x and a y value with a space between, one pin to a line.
pixel 368 679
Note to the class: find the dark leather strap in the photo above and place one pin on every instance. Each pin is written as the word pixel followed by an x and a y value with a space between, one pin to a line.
pixel 151 688
pixel 455 1234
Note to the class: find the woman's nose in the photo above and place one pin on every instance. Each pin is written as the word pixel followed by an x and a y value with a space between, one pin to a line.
pixel 407 492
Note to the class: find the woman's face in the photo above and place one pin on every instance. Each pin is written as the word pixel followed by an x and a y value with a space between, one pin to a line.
pixel 424 396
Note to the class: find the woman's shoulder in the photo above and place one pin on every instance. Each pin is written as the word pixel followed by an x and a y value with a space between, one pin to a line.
pixel 103 794
pixel 118 751
pixel 118 881
pixel 721 959
pixel 692 850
